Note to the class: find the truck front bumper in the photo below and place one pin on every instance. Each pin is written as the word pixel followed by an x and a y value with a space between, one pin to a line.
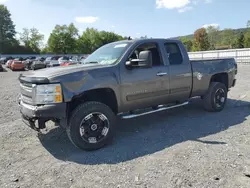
pixel 41 114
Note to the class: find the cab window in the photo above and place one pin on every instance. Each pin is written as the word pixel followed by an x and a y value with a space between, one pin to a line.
pixel 153 47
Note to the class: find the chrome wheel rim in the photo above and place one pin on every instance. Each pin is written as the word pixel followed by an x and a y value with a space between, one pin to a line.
pixel 94 127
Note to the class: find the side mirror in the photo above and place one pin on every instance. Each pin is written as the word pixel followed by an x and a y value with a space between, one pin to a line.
pixel 145 60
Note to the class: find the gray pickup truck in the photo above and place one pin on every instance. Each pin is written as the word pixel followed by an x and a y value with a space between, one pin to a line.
pixel 128 79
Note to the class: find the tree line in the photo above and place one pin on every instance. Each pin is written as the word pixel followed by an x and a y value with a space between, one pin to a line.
pixel 66 39
pixel 212 38
pixel 63 39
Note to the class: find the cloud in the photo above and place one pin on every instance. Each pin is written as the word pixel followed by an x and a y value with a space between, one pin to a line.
pixel 3 1
pixel 185 9
pixel 87 19
pixel 113 26
pixel 180 5
pixel 171 4
pixel 213 25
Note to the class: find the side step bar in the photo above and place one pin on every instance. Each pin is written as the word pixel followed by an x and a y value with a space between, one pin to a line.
pixel 130 116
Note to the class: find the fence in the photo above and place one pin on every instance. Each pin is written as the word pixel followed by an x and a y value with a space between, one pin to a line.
pixel 240 55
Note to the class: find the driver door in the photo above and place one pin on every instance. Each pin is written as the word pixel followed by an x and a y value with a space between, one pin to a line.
pixel 145 87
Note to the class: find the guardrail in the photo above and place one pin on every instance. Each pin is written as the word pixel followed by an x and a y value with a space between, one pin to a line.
pixel 240 55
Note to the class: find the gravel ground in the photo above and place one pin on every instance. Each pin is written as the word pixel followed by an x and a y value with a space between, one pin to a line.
pixel 185 147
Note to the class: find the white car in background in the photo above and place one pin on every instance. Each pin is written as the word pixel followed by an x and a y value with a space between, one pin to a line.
pixel 52 61
pixel 63 60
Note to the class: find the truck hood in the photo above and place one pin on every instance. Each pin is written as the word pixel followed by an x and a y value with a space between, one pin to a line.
pixel 50 73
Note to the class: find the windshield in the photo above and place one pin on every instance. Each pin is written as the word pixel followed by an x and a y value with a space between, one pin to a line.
pixel 107 54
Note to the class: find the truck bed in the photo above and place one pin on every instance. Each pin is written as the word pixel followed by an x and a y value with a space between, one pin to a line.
pixel 203 69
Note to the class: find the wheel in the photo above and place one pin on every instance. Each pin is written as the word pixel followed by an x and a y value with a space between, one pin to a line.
pixel 91 126
pixel 216 97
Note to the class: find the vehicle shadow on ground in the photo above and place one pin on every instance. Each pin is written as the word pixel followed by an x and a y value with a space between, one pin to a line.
pixel 149 134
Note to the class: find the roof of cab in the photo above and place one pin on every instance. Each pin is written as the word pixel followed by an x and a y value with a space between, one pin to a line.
pixel 149 40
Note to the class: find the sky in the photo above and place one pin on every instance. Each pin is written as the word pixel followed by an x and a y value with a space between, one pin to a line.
pixel 135 18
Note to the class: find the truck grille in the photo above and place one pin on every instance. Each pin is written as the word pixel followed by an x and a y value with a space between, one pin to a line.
pixel 26 92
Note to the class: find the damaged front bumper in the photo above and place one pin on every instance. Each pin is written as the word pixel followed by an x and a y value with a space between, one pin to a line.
pixel 36 116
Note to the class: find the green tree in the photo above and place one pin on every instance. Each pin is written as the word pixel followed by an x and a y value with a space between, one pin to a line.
pixel 108 37
pixel 92 39
pixel 63 39
pixel 31 38
pixel 7 30
pixel 247 40
pixel 201 41
pixel 213 36
pixel 239 42
pixel 188 43
pixel 228 37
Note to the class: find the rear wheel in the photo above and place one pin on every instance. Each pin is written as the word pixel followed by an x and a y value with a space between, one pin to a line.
pixel 91 126
pixel 216 97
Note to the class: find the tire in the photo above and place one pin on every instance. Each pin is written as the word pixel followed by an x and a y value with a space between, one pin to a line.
pixel 79 118
pixel 212 102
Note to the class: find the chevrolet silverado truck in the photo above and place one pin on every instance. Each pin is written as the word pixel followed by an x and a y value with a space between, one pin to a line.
pixel 123 79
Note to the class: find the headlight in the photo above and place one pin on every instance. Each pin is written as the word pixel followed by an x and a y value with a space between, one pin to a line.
pixel 47 94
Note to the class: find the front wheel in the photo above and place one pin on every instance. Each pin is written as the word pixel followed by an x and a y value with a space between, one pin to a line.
pixel 91 126
pixel 216 97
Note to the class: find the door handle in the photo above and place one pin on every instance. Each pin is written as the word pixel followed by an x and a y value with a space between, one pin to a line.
pixel 161 73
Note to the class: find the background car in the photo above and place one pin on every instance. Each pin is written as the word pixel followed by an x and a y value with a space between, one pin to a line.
pixel 63 59
pixel 9 63
pixel 53 62
pixel 83 57
pixel 29 61
pixel 75 59
pixel 2 60
pixel 47 61
pixel 38 64
pixel 17 65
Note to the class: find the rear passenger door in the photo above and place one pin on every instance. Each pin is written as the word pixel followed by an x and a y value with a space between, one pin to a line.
pixel 180 72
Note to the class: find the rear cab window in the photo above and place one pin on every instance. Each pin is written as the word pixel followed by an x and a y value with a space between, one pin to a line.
pixel 174 53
